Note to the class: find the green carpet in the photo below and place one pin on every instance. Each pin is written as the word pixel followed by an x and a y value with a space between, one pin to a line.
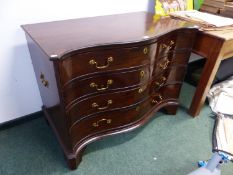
pixel 168 145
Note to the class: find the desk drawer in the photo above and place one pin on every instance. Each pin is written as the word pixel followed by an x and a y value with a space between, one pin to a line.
pixel 104 83
pixel 102 60
pixel 106 102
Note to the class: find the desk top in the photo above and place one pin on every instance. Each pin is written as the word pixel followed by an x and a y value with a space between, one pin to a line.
pixel 60 37
pixel 224 33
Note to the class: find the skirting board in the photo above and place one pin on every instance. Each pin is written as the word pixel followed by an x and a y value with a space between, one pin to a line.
pixel 20 120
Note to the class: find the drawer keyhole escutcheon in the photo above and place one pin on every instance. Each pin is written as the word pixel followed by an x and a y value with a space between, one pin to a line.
pixel 97 124
pixel 156 99
pixel 43 80
pixel 94 85
pixel 142 73
pixel 145 50
pixel 93 62
pixel 95 105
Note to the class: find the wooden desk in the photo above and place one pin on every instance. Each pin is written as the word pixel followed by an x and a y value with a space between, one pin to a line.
pixel 215 46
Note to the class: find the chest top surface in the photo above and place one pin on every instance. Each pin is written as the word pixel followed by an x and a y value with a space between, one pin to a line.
pixel 60 37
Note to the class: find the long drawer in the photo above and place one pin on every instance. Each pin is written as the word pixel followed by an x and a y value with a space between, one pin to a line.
pixel 117 119
pixel 108 121
pixel 110 101
pixel 104 83
pixel 102 60
pixel 107 102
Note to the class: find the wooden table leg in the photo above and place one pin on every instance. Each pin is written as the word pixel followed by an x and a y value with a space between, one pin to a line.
pixel 213 61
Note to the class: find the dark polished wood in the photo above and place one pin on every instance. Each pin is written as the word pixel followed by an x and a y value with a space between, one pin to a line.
pixel 86 33
pixel 101 84
pixel 79 64
pixel 107 75
pixel 107 102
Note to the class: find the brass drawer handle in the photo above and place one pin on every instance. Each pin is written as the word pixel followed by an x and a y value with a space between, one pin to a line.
pixel 97 124
pixel 157 99
pixel 140 90
pixel 93 62
pixel 43 80
pixel 94 85
pixel 169 46
pixel 95 105
pixel 172 43
pixel 161 81
pixel 164 65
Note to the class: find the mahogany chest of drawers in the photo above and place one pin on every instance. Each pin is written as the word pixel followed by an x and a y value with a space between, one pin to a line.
pixel 107 75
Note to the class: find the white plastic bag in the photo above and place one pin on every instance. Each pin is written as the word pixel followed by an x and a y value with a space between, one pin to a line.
pixel 221 97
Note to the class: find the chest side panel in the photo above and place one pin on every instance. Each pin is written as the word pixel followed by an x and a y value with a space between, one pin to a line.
pixel 45 75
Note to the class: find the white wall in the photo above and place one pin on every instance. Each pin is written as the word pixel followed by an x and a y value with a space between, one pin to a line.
pixel 19 94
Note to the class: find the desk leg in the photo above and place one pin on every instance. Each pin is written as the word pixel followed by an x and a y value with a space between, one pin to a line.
pixel 207 76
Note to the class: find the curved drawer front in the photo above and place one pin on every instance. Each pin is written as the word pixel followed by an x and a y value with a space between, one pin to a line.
pixel 172 75
pixel 105 83
pixel 108 121
pixel 175 42
pixel 173 59
pixel 101 61
pixel 161 65
pixel 166 92
pixel 185 39
pixel 166 45
pixel 180 58
pixel 107 102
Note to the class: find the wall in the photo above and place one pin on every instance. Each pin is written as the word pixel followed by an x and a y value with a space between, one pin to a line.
pixel 19 94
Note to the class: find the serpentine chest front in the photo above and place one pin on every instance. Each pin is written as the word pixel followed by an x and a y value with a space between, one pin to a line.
pixel 106 75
